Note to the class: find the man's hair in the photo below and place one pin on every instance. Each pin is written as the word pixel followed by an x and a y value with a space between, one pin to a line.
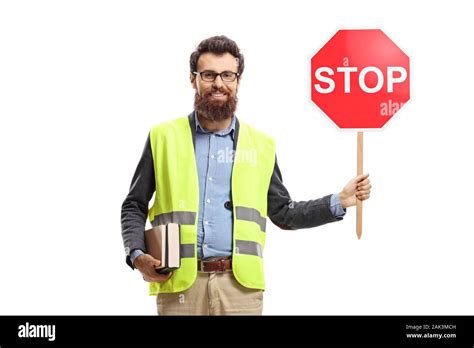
pixel 217 45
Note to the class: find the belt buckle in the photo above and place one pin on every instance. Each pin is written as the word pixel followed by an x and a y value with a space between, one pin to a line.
pixel 203 267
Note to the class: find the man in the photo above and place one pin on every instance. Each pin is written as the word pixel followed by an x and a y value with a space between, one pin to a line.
pixel 221 201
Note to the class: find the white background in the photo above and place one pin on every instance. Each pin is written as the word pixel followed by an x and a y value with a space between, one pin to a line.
pixel 82 82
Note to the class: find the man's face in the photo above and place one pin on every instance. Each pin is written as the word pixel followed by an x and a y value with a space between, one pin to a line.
pixel 215 100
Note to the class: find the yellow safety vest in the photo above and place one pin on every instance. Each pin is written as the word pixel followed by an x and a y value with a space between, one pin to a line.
pixel 177 196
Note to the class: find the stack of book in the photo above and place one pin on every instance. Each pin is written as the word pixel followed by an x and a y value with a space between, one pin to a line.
pixel 163 243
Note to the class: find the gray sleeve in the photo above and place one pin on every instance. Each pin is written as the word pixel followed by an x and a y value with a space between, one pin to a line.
pixel 135 205
pixel 291 215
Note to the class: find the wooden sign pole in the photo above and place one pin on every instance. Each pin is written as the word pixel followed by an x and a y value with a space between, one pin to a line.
pixel 360 152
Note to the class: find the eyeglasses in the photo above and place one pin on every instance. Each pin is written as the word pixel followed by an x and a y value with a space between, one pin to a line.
pixel 210 76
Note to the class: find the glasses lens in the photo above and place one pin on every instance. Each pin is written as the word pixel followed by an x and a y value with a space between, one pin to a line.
pixel 228 76
pixel 208 76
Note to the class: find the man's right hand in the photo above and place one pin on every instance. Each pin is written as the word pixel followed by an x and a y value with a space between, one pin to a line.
pixel 146 264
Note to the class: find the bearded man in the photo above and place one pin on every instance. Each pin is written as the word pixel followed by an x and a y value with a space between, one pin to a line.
pixel 221 202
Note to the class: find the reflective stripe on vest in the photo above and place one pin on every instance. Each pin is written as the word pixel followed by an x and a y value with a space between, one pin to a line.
pixel 248 247
pixel 177 196
pixel 251 214
pixel 179 217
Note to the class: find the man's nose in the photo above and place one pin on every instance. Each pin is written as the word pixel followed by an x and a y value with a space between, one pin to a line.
pixel 218 81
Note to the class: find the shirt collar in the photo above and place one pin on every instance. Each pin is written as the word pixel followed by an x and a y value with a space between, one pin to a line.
pixel 230 129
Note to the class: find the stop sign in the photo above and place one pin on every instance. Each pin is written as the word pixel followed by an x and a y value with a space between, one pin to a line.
pixel 360 79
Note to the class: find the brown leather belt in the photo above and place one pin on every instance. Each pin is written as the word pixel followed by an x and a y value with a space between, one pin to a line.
pixel 215 264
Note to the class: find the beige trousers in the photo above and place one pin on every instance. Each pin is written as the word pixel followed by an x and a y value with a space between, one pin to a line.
pixel 212 294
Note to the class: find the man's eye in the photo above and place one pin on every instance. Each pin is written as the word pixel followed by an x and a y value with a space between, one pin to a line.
pixel 208 75
pixel 227 74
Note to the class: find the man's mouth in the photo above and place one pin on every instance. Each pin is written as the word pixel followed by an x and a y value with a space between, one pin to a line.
pixel 218 95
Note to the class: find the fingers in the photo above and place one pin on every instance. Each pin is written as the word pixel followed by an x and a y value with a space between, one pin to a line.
pixel 163 277
pixel 363 194
pixel 151 261
pixel 153 276
pixel 146 261
pixel 363 182
pixel 364 187
pixel 156 277
pixel 361 177
pixel 147 269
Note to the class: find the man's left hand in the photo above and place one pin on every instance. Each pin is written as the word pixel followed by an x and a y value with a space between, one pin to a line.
pixel 358 188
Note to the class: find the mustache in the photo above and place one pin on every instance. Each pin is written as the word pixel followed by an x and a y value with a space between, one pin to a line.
pixel 222 90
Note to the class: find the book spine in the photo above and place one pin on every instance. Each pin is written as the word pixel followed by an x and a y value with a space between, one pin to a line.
pixel 167 240
pixel 179 239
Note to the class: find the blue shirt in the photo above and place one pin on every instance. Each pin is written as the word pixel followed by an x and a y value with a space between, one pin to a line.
pixel 214 159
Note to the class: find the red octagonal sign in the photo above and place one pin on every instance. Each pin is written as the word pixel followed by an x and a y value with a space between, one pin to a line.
pixel 360 79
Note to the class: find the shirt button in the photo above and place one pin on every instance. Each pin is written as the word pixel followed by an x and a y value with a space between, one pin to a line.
pixel 212 156
pixel 205 245
pixel 210 178
pixel 208 200
pixel 206 222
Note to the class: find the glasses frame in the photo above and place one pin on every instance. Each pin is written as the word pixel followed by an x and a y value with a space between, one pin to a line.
pixel 236 75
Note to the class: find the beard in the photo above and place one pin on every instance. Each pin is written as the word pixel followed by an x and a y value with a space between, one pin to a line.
pixel 215 110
